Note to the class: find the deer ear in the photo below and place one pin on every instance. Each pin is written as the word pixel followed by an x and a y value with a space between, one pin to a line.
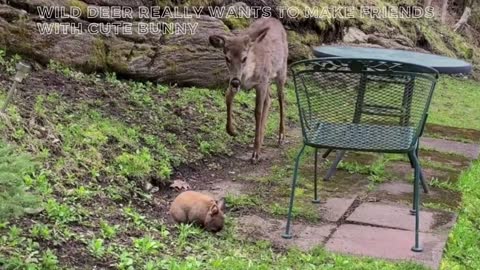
pixel 213 209
pixel 217 41
pixel 259 35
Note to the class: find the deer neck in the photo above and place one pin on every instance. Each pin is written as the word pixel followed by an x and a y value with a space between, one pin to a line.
pixel 248 76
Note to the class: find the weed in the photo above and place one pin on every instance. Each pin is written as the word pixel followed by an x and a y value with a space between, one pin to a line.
pixel 241 201
pixel 138 164
pixel 41 231
pixel 49 260
pixel 97 248
pixel 185 232
pixel 60 213
pixel 435 182
pixel 108 231
pixel 147 245
pixel 126 261
pixel 137 219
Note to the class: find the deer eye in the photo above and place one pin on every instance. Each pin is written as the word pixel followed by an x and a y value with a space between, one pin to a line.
pixel 228 60
pixel 244 59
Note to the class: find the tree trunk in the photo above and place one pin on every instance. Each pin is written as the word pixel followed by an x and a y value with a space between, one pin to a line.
pixel 444 11
pixel 182 59
pixel 464 19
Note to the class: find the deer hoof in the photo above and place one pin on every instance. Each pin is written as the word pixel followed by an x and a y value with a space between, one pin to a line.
pixel 281 139
pixel 255 158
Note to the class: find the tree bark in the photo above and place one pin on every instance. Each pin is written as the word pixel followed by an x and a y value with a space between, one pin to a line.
pixel 464 19
pixel 427 3
pixel 444 11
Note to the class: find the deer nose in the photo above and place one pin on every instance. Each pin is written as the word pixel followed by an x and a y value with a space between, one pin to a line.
pixel 235 83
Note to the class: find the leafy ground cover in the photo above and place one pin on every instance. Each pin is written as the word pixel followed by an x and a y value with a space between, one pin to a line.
pixel 98 145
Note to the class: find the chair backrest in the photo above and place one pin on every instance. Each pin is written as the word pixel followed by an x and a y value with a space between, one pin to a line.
pixel 362 91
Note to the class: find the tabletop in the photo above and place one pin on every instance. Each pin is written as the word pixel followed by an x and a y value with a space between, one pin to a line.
pixel 442 64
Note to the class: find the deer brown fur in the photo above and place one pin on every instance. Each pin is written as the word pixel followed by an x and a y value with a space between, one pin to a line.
pixel 255 58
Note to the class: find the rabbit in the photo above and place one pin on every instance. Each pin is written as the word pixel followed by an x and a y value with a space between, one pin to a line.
pixel 200 209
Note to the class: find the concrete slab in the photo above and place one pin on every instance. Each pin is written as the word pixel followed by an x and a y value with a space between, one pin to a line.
pixel 404 171
pixel 392 216
pixel 334 208
pixel 396 188
pixel 305 237
pixel 469 150
pixel 387 244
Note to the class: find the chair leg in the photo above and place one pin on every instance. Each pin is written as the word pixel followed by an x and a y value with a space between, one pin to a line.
pixel 416 205
pixel 288 234
pixel 333 168
pixel 422 178
pixel 315 195
pixel 325 155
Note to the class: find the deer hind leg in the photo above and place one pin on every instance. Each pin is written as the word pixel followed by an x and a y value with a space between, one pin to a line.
pixel 261 94
pixel 280 82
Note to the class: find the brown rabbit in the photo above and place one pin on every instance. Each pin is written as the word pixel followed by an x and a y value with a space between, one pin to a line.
pixel 200 209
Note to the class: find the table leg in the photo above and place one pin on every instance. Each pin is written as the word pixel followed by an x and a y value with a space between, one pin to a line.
pixel 333 168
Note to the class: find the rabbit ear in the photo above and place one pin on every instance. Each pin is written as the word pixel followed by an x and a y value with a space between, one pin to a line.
pixel 213 209
pixel 221 204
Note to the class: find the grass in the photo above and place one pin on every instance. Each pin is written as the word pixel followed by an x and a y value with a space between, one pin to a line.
pixel 455 103
pixel 463 243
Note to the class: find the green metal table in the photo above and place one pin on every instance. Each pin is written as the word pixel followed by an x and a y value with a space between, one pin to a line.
pixel 444 65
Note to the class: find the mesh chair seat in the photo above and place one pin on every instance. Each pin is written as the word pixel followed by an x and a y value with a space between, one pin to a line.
pixel 362 137
pixel 362 105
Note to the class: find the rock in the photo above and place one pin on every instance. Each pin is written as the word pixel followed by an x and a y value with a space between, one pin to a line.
pixel 387 43
pixel 183 59
pixel 354 35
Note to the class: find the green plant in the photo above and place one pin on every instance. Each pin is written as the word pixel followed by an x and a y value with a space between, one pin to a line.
pixel 134 216
pixel 49 260
pixel 39 182
pixel 186 231
pixel 9 63
pixel 435 182
pixel 137 164
pixel 97 248
pixel 241 201
pixel 60 213
pixel 41 231
pixel 108 231
pixel 147 245
pixel 15 197
pixel 126 261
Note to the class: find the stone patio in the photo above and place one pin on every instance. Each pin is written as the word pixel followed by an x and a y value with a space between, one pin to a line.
pixel 377 224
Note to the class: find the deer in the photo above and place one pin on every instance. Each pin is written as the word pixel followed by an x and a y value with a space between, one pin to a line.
pixel 256 57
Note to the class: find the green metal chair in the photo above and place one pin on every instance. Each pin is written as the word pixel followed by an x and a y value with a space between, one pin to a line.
pixel 362 105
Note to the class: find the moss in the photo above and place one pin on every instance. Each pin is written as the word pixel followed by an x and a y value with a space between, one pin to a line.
pixel 171 48
pixel 434 38
pixel 236 23
pixel 98 59
pixel 171 67
pixel 81 5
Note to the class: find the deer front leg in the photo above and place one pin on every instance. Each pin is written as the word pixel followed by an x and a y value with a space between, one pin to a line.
pixel 266 109
pixel 281 100
pixel 261 93
pixel 229 95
